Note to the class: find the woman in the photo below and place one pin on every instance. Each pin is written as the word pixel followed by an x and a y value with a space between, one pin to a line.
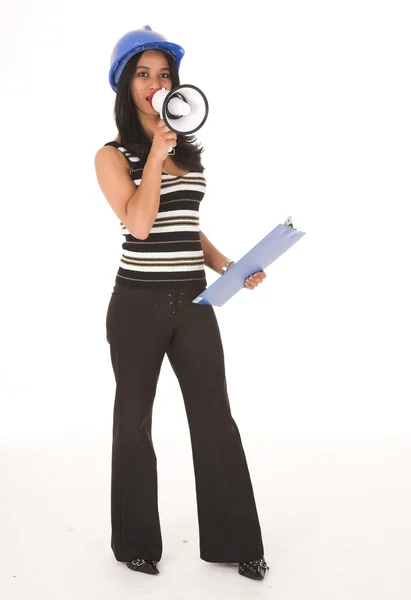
pixel 156 198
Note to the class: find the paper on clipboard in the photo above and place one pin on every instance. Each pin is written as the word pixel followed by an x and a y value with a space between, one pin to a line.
pixel 273 245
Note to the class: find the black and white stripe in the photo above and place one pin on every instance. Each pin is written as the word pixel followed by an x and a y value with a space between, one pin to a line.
pixel 172 254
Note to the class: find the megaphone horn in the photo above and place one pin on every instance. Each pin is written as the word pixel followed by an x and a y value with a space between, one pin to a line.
pixel 184 109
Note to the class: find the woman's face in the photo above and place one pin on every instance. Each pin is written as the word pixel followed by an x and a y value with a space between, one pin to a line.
pixel 152 73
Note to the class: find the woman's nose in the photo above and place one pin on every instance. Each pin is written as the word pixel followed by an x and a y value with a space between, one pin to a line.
pixel 156 83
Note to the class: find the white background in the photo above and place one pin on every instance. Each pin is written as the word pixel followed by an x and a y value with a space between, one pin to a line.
pixel 309 117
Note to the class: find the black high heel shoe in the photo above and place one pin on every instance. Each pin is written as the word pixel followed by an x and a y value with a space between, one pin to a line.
pixel 144 566
pixel 254 569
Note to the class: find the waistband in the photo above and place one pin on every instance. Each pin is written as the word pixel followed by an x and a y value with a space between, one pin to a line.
pixel 161 285
pixel 182 294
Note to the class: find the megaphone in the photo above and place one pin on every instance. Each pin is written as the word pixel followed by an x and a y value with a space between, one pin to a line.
pixel 184 109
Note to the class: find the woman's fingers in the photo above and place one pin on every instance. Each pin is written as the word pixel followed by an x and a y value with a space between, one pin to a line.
pixel 253 280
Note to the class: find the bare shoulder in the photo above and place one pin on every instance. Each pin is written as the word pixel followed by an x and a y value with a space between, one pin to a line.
pixel 110 155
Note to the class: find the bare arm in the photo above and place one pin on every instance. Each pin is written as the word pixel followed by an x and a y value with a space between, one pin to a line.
pixel 142 207
pixel 136 208
pixel 212 257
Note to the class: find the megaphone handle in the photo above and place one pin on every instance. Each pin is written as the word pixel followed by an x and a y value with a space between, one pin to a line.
pixel 171 150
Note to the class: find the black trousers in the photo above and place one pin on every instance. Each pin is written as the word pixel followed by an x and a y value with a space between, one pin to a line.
pixel 142 326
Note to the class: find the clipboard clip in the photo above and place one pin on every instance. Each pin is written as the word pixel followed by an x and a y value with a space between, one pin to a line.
pixel 288 222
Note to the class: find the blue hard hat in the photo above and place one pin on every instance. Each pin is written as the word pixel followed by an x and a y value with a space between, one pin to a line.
pixel 137 41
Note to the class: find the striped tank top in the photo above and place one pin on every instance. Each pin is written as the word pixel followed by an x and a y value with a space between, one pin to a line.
pixel 172 255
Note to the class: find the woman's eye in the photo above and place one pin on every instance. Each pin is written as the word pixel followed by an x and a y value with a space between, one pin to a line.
pixel 145 73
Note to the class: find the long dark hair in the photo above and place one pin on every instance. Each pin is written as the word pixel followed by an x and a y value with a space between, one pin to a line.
pixel 132 135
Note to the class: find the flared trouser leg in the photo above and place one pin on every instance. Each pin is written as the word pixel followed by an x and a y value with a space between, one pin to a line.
pixel 137 350
pixel 229 527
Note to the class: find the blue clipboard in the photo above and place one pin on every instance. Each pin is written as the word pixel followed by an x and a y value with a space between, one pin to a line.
pixel 273 245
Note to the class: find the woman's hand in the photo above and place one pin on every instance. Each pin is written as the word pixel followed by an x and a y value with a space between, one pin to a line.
pixel 162 140
pixel 252 281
